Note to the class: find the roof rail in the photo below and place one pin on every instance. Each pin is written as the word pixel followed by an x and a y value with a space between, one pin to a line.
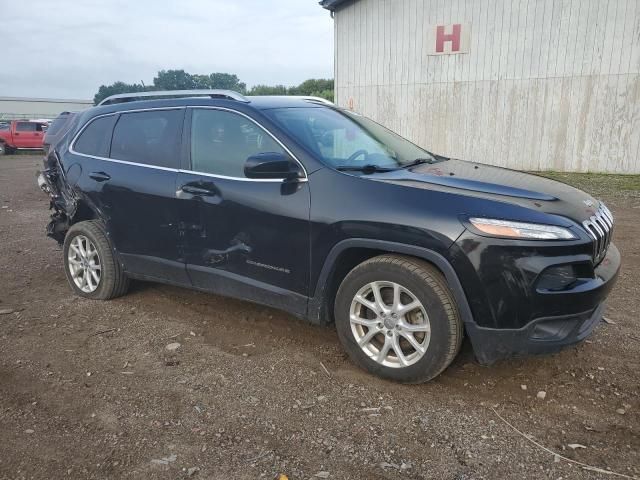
pixel 315 99
pixel 129 97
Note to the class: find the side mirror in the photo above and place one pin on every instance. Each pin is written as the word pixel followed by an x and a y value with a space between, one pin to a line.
pixel 272 165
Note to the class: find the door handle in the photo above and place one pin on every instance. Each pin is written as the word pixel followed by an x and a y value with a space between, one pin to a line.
pixel 193 190
pixel 100 176
pixel 16 134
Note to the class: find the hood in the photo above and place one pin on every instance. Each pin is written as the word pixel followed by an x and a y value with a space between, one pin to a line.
pixel 496 183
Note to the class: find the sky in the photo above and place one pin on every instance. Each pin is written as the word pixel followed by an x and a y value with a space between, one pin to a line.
pixel 68 48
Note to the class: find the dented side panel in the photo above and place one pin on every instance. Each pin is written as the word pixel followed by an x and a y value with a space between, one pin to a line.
pixel 255 230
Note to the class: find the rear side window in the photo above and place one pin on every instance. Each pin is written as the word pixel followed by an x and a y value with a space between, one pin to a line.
pixel 94 139
pixel 151 138
pixel 26 126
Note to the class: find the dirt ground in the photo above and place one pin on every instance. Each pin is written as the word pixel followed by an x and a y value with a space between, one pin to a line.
pixel 89 390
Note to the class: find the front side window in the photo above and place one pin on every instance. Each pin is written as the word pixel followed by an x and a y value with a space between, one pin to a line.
pixel 26 127
pixel 221 142
pixel 345 139
pixel 94 139
pixel 150 138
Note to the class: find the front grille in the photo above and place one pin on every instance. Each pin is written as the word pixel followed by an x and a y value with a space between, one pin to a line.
pixel 600 228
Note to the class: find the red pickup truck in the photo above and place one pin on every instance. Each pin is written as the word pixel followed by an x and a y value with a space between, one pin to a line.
pixel 21 134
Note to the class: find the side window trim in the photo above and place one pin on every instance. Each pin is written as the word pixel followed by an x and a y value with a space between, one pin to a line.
pixel 81 131
pixel 117 115
pixel 179 139
pixel 187 142
pixel 186 150
pixel 77 136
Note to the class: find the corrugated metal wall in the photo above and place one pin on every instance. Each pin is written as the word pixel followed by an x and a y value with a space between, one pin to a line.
pixel 547 85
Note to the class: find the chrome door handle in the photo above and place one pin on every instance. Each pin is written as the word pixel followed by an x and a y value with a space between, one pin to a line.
pixel 100 176
pixel 193 190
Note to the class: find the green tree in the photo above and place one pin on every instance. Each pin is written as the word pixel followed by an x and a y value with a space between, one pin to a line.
pixel 313 86
pixel 181 80
pixel 118 87
pixel 173 80
pixel 268 90
pixel 226 81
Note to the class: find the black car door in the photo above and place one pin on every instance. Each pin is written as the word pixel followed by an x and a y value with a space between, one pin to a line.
pixel 133 184
pixel 244 237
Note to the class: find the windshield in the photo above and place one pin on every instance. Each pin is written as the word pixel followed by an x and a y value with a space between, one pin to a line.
pixel 345 140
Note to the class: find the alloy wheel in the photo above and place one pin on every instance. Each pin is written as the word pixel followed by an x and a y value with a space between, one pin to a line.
pixel 390 324
pixel 84 264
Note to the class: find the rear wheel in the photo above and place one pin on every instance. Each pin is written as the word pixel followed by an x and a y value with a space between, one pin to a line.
pixel 397 318
pixel 90 265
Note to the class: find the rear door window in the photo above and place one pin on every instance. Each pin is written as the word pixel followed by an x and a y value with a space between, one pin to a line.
pixel 150 138
pixel 95 138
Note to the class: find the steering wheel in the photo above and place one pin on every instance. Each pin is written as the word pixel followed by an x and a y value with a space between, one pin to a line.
pixel 355 155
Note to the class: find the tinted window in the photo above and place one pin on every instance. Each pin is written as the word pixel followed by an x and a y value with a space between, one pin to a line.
pixel 221 141
pixel 58 127
pixel 58 123
pixel 152 138
pixel 95 138
pixel 4 126
pixel 26 126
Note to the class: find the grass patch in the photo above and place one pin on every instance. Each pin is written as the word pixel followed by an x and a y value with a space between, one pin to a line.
pixel 599 184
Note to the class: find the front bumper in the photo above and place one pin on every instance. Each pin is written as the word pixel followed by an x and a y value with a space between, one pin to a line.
pixel 550 333
pixel 541 336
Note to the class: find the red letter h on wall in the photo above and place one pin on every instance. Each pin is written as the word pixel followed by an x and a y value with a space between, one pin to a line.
pixel 453 37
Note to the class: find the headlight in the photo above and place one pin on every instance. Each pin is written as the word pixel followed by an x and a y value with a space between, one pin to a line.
pixel 525 231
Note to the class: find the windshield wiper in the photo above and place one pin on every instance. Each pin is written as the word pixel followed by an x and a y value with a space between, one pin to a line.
pixel 366 169
pixel 418 161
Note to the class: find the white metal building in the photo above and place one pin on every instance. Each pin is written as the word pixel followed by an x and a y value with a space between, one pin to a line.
pixel 13 108
pixel 527 84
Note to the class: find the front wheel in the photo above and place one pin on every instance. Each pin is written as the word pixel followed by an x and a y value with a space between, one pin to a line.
pixel 90 265
pixel 397 318
pixel 3 149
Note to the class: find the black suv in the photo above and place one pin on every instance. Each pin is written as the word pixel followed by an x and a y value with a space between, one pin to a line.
pixel 297 204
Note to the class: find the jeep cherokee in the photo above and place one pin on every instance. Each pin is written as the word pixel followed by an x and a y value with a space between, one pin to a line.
pixel 297 204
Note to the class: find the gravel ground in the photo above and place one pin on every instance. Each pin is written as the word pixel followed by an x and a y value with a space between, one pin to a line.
pixel 89 390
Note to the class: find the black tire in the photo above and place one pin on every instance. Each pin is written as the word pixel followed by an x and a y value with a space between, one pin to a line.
pixel 3 149
pixel 113 281
pixel 428 285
